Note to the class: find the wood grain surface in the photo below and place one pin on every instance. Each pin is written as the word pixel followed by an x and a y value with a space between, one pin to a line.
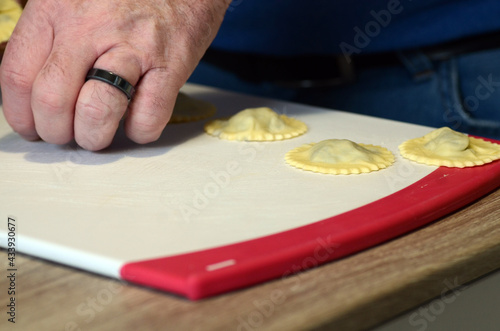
pixel 355 293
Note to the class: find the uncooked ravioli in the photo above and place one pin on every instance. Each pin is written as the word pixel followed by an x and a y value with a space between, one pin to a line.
pixel 446 147
pixel 188 109
pixel 339 156
pixel 256 124
pixel 10 11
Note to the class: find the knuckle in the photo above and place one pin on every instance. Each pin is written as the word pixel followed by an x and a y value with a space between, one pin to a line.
pixel 16 80
pixel 50 103
pixel 94 113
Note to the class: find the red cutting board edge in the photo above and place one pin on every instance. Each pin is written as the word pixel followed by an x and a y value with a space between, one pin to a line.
pixel 218 270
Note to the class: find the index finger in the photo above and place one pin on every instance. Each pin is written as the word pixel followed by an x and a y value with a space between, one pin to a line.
pixel 24 56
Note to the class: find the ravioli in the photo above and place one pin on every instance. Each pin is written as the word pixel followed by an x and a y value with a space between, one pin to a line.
pixel 339 157
pixel 10 11
pixel 449 148
pixel 256 124
pixel 188 109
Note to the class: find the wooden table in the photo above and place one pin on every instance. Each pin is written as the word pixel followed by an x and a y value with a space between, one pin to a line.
pixel 354 293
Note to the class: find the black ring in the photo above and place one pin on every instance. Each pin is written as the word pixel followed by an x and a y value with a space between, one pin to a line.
pixel 112 79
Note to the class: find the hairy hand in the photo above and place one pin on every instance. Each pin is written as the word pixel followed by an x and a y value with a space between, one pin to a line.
pixel 153 44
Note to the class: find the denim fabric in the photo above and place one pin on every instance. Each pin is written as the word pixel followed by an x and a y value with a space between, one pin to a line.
pixel 298 27
pixel 462 92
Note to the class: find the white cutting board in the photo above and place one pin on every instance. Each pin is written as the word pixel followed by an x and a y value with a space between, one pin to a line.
pixel 188 191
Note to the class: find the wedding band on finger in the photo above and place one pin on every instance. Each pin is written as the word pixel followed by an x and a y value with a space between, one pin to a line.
pixel 113 80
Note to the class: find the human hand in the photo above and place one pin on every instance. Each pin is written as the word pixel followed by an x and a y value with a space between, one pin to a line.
pixel 153 44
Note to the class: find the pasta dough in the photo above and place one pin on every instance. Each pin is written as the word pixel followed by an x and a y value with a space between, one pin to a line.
pixel 188 109
pixel 339 156
pixel 445 147
pixel 256 124
pixel 10 11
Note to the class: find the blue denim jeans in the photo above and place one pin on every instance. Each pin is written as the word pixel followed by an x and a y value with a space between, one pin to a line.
pixel 461 92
